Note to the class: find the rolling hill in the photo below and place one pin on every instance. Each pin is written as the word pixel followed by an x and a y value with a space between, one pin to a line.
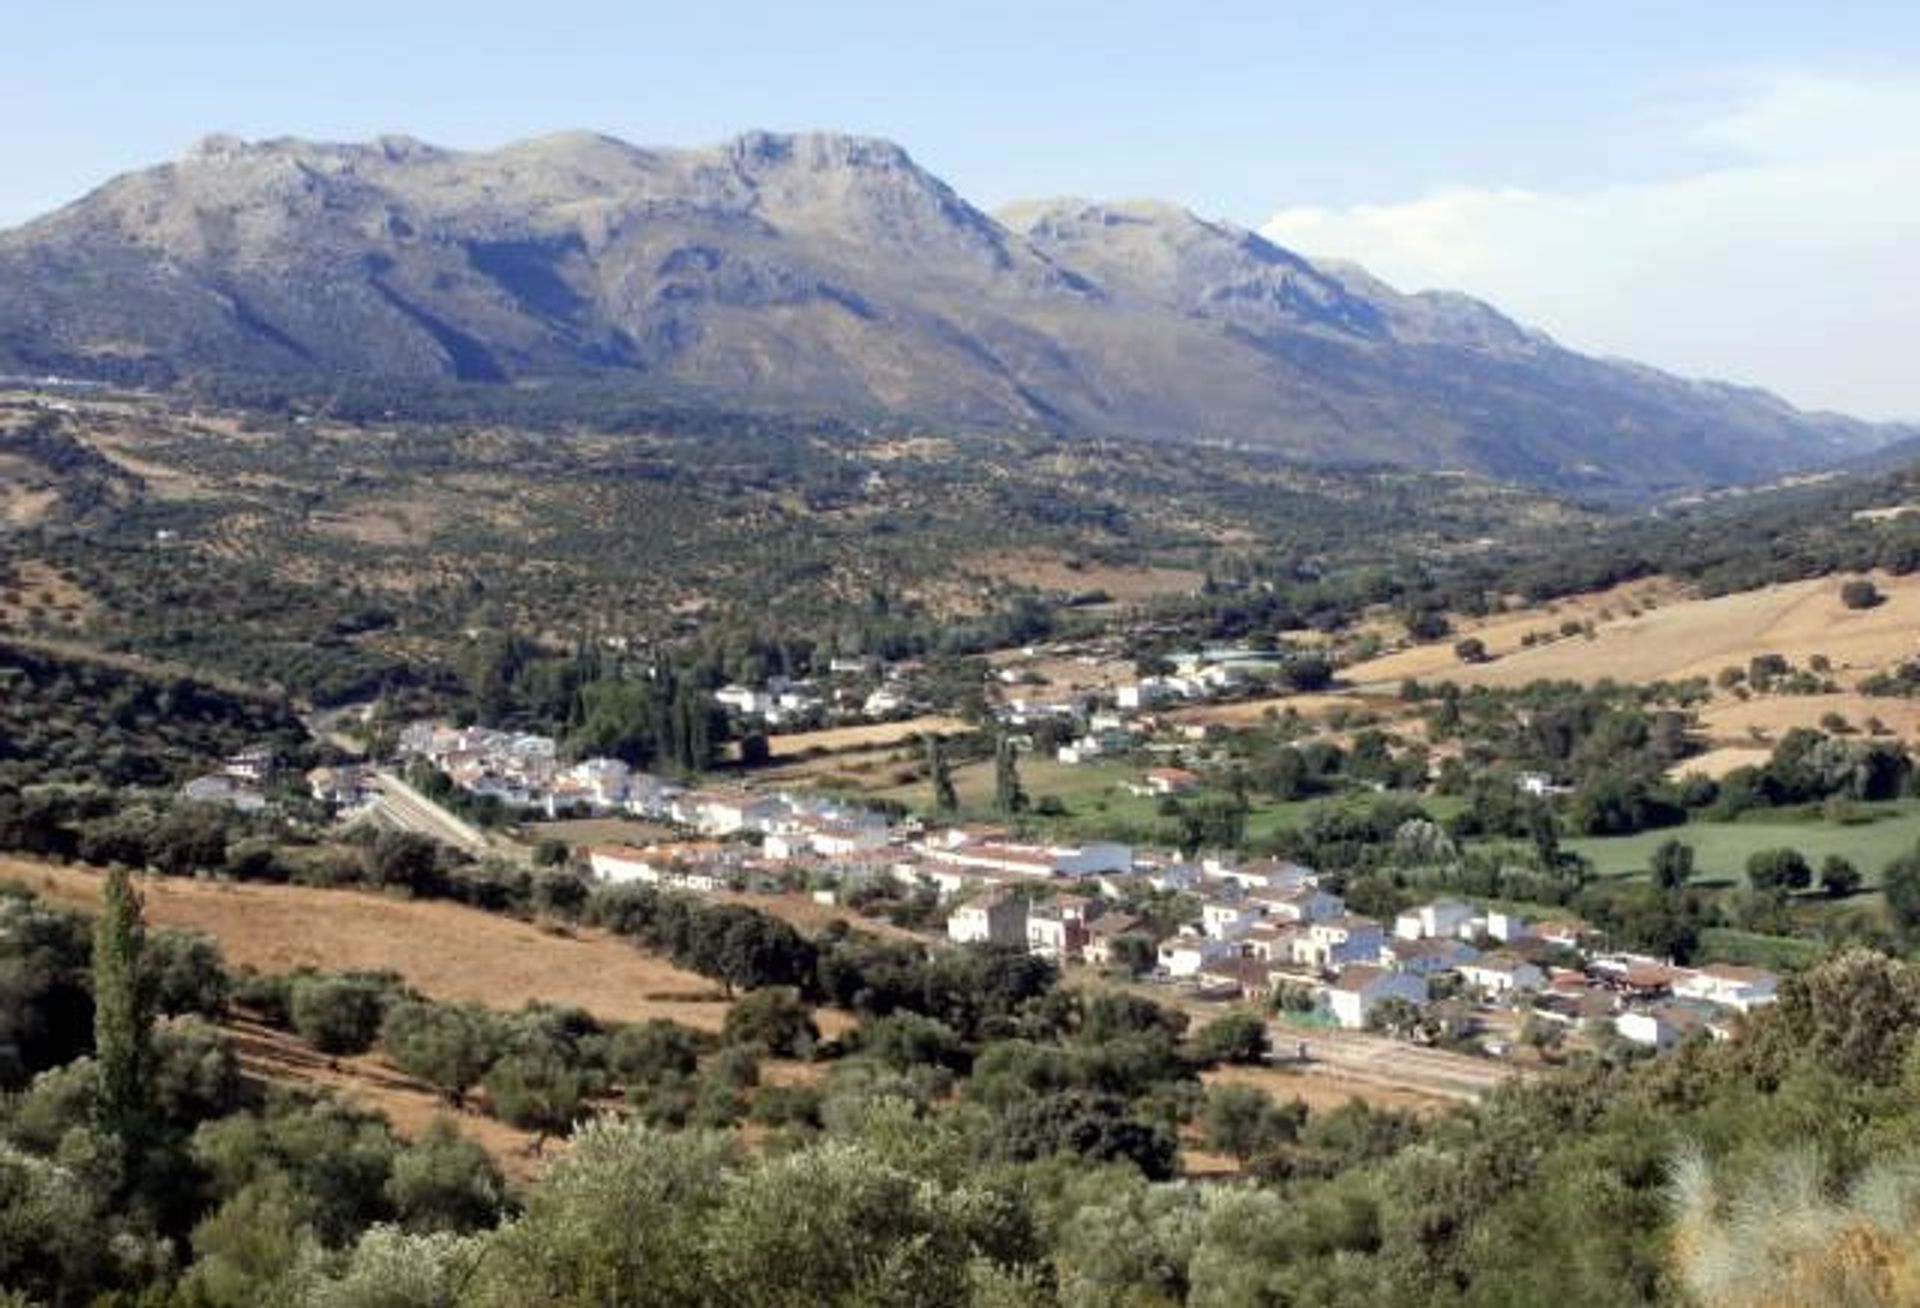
pixel 834 274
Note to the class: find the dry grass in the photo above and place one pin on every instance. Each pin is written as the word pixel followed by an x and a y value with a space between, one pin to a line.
pixel 36 591
pixel 1045 570
pixel 1716 763
pixel 1686 638
pixel 1314 707
pixel 866 736
pixel 575 832
pixel 267 1055
pixel 1732 721
pixel 1321 1090
pixel 443 950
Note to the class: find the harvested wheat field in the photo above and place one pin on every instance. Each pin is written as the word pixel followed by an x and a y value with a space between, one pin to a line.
pixel 1733 721
pixel 1315 707
pixel 445 951
pixel 836 739
pixel 1695 638
pixel 1716 763
pixel 1502 633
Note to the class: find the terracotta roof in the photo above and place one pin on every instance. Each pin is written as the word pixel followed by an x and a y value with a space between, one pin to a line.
pixel 1358 977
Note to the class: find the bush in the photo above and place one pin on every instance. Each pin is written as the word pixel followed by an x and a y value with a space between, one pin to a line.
pixel 445 1182
pixel 1235 1038
pixel 187 973
pixel 450 1046
pixel 535 1092
pixel 775 1020
pixel 1860 593
pixel 1777 871
pixel 341 1014
pixel 648 1053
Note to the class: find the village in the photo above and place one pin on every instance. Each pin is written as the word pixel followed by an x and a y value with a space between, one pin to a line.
pixel 1202 928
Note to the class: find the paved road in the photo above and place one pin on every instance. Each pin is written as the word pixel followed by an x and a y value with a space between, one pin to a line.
pixel 410 810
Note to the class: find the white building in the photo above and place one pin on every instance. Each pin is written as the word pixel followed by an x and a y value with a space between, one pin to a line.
pixel 1427 957
pixel 1339 942
pixel 620 864
pixel 1359 989
pixel 1228 919
pixel 1500 974
pixel 1505 927
pixel 1742 989
pixel 1185 956
pixel 1443 917
pixel 1308 904
pixel 992 919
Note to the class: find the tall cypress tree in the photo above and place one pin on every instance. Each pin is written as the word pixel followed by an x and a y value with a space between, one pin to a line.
pixel 1008 797
pixel 122 1013
pixel 945 798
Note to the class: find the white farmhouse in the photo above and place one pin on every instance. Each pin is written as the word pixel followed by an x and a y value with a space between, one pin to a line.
pixel 1359 989
pixel 1499 974
pixel 991 920
pixel 1443 917
pixel 1185 956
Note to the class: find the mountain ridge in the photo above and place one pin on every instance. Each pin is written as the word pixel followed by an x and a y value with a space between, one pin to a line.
pixel 834 271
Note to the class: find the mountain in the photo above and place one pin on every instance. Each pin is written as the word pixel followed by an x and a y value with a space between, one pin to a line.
pixel 834 273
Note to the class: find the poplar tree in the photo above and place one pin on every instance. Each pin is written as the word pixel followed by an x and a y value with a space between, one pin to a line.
pixel 122 1012
pixel 1008 797
pixel 945 798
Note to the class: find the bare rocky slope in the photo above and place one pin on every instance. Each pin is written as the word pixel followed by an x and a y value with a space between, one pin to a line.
pixel 834 273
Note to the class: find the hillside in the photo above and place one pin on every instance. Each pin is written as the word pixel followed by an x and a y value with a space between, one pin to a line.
pixel 835 274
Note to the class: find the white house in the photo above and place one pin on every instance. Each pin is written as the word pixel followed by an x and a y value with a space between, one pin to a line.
pixel 1359 989
pixel 1500 973
pixel 1505 927
pixel 1338 942
pixel 883 702
pixel 1742 989
pixel 1307 904
pixel 618 864
pixel 1443 917
pixel 744 700
pixel 1426 957
pixel 1661 1027
pixel 1227 920
pixel 992 919
pixel 1057 931
pixel 720 813
pixel 1185 956
pixel 1272 943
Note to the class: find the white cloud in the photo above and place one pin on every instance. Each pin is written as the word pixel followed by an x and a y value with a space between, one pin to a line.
pixel 1791 261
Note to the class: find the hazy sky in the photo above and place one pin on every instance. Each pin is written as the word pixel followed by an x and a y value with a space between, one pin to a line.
pixel 1729 189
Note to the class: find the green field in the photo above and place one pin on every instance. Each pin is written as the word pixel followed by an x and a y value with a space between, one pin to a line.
pixel 1721 849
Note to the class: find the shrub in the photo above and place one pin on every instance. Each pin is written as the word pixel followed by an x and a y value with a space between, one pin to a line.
pixel 341 1014
pixel 1860 593
pixel 774 1019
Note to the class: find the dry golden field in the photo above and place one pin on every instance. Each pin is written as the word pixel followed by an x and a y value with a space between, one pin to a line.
pixel 1045 570
pixel 866 736
pixel 1682 638
pixel 445 951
